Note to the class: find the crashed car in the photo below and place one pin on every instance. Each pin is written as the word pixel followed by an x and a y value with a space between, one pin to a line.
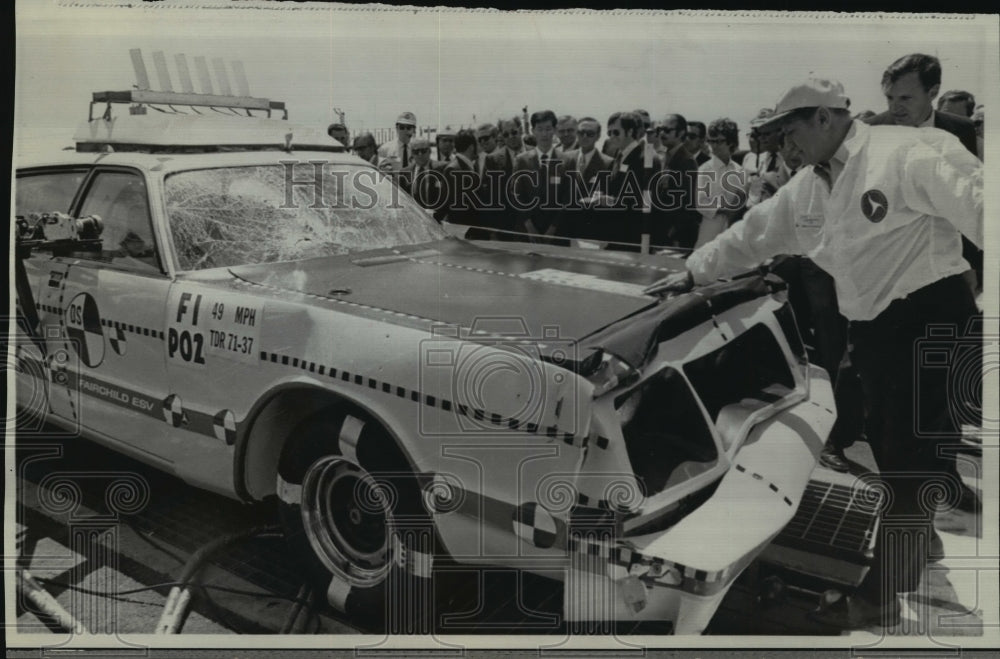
pixel 264 316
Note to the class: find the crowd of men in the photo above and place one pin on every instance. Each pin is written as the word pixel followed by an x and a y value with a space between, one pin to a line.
pixel 673 182
pixel 878 232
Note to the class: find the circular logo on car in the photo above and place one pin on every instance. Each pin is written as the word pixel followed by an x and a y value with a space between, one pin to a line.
pixel 83 326
pixel 874 205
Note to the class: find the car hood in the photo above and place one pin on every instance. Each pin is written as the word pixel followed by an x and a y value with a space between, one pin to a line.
pixel 460 283
pixel 513 290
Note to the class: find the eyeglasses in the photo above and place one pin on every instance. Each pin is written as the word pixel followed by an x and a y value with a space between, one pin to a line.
pixel 588 133
pixel 418 152
pixel 691 136
pixel 665 129
pixel 716 140
pixel 405 127
pixel 614 132
pixel 483 139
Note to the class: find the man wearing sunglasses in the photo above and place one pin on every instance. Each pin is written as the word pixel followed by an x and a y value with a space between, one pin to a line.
pixel 675 220
pixel 589 176
pixel 628 183
pixel 694 140
pixel 500 166
pixel 423 179
pixel 399 151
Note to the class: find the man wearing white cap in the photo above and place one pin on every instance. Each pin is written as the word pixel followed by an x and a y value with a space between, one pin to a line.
pixel 883 210
pixel 399 151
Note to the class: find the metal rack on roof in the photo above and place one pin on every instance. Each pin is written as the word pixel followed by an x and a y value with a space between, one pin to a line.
pixel 224 102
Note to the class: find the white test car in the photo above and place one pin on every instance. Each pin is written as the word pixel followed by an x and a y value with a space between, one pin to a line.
pixel 266 316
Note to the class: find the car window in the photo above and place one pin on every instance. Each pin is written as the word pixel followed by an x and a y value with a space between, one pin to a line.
pixel 120 200
pixel 261 214
pixel 47 192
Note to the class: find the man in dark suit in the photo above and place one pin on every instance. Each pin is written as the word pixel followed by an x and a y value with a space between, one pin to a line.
pixel 423 179
pixel 695 142
pixel 541 182
pixel 629 180
pixel 462 184
pixel 910 85
pixel 589 172
pixel 957 101
pixel 566 131
pixel 675 221
pixel 365 148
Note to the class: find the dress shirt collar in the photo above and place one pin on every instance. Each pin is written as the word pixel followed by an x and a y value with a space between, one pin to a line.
pixel 462 158
pixel 585 158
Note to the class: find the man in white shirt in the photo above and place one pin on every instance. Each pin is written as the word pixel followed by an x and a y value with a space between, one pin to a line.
pixel 882 209
pixel 721 183
pixel 398 152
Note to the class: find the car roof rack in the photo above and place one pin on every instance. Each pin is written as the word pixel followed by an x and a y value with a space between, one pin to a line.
pixel 234 121
pixel 218 97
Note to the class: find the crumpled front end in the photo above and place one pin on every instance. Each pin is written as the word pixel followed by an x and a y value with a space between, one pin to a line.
pixel 721 428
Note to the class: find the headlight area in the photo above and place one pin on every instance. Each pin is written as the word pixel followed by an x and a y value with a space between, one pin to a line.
pixel 723 424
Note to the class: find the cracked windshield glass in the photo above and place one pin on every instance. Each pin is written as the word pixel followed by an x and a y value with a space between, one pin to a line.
pixel 262 214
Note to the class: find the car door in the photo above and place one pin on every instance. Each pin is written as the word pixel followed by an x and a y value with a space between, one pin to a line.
pixel 41 368
pixel 111 301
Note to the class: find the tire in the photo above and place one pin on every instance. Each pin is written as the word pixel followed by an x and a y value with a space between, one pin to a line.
pixel 352 511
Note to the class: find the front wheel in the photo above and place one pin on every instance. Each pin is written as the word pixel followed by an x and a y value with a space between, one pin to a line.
pixel 353 513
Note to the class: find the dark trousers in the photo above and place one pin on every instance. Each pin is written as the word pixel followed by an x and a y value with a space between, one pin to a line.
pixel 813 297
pixel 907 396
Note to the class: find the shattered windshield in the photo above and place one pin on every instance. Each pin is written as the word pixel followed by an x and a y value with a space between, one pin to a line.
pixel 260 214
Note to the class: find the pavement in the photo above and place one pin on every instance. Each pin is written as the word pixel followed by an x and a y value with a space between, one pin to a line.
pixel 108 538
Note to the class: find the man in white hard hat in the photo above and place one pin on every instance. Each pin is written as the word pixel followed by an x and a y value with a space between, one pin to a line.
pixel 883 211
pixel 399 151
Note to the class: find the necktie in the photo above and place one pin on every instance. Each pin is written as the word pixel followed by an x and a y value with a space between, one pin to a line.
pixel 772 164
pixel 406 159
pixel 616 164
pixel 822 170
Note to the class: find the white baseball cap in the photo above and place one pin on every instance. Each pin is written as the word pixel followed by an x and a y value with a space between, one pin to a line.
pixel 813 93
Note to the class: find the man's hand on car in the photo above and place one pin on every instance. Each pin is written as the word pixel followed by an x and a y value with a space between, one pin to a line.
pixel 678 282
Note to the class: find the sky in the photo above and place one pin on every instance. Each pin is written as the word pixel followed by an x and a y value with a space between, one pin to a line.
pixel 454 67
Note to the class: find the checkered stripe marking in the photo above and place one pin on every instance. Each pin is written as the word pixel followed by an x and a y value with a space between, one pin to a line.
pixel 535 525
pixel 173 411
pixel 116 337
pixel 623 561
pixel 771 486
pixel 224 426
pixel 443 404
pixel 133 329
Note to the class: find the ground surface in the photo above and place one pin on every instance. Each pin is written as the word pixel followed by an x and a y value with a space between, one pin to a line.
pixel 110 554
